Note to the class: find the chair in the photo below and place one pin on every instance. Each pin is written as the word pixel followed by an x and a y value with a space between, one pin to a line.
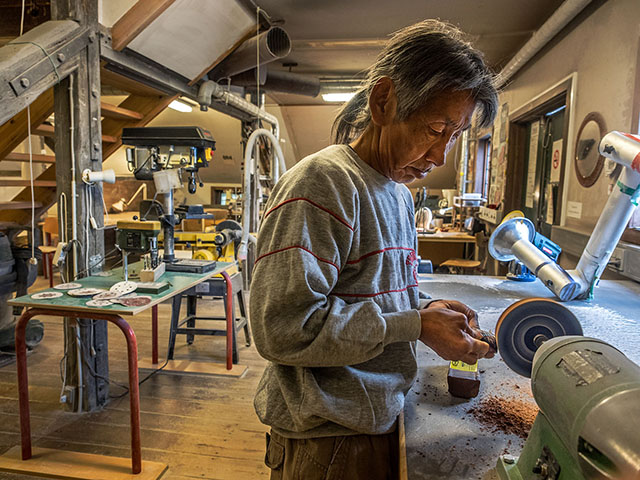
pixel 461 266
pixel 50 234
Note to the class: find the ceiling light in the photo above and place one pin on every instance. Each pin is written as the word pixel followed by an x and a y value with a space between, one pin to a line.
pixel 338 97
pixel 180 106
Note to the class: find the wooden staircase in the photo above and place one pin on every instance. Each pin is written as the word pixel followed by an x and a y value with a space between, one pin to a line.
pixel 138 109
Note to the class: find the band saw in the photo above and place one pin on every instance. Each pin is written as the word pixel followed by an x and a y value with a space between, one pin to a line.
pixel 588 393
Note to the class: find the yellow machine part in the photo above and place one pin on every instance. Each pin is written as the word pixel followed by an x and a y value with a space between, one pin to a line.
pixel 203 254
pixel 513 214
pixel 203 248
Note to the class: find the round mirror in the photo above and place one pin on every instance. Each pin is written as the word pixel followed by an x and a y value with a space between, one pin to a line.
pixel 588 161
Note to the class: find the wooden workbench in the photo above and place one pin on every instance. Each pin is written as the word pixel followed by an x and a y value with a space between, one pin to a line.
pixel 442 246
pixel 55 462
pixel 444 441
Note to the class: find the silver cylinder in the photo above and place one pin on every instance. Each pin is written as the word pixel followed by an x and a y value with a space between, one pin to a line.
pixel 554 277
pixel 271 45
pixel 622 148
pixel 611 225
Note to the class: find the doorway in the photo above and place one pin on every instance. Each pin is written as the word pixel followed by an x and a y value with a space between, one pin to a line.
pixel 538 141
pixel 543 165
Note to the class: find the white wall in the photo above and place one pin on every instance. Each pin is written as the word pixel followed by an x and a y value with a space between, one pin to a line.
pixel 603 50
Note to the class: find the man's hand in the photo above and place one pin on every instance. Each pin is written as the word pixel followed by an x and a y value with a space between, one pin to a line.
pixel 450 328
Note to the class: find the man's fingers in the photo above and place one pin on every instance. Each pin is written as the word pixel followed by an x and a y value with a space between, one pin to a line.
pixel 479 348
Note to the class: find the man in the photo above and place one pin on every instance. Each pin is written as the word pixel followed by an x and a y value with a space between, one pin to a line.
pixel 334 297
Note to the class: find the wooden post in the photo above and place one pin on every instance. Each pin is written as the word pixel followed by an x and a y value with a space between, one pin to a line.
pixel 78 146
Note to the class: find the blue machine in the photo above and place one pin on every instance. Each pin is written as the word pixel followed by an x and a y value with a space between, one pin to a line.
pixel 520 273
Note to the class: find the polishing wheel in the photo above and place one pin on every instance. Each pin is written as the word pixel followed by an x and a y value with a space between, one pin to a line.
pixel 526 325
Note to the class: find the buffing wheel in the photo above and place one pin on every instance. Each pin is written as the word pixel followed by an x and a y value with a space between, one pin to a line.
pixel 528 323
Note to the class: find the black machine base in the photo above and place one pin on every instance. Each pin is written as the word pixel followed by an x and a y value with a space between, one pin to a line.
pixel 191 266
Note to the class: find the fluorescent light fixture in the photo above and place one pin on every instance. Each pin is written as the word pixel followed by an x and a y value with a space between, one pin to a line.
pixel 338 97
pixel 180 106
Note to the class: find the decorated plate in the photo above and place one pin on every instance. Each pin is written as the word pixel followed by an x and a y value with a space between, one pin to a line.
pixel 140 301
pixel 122 288
pixel 46 295
pixel 67 286
pixel 98 303
pixel 84 292
pixel 108 295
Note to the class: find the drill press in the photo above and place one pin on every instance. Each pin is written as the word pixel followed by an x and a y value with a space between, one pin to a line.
pixel 588 393
pixel 162 154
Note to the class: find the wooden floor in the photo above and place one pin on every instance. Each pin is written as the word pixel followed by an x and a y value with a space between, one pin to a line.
pixel 203 427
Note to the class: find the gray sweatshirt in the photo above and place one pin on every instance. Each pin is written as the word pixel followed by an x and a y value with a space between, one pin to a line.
pixel 334 297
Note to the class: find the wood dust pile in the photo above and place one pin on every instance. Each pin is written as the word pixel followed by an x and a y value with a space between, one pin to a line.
pixel 507 415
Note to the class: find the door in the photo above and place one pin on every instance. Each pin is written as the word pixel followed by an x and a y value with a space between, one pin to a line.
pixel 544 164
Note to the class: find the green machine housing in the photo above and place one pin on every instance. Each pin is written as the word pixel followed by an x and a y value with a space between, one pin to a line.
pixel 589 421
pixel 138 236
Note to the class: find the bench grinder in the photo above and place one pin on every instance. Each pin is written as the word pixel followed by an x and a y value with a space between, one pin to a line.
pixel 588 393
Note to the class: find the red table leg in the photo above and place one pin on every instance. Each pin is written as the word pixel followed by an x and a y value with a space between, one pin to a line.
pixel 23 381
pixel 229 315
pixel 154 334
pixel 49 260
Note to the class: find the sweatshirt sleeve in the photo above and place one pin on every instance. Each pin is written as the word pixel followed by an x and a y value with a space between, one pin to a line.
pixel 303 243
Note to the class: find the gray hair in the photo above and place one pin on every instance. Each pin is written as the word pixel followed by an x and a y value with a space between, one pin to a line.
pixel 422 60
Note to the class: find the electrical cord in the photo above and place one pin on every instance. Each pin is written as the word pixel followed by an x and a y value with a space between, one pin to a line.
pixel 141 381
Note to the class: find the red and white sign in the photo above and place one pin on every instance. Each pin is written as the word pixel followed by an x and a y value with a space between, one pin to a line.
pixel 556 161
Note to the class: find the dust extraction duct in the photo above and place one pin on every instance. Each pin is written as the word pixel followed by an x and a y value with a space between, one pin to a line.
pixel 278 81
pixel 272 45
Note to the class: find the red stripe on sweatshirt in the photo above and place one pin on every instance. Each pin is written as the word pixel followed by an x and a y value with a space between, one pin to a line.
pixel 351 262
pixel 335 215
pixel 368 295
pixel 301 248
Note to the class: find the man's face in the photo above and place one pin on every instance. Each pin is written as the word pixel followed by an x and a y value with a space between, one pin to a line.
pixel 408 150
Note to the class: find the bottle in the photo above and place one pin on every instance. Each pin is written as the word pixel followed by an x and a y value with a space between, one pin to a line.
pixel 463 379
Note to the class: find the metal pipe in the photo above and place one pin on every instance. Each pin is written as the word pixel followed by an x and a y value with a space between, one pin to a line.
pixel 168 224
pixel 556 22
pixel 271 45
pixel 210 89
pixel 278 81
pixel 249 168
pixel 229 317
pixel 552 275
pixel 23 380
pixel 154 334
pixel 623 149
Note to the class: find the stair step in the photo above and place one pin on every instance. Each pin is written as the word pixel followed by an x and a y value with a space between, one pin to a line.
pixel 48 130
pixel 24 157
pixel 44 130
pixel 17 205
pixel 113 111
pixel 5 182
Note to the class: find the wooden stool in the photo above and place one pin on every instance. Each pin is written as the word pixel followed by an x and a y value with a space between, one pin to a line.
pixel 460 266
pixel 47 262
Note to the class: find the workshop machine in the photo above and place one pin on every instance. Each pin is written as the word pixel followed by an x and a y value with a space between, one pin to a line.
pixel 514 239
pixel 162 154
pixel 220 245
pixel 588 393
pixel 139 237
